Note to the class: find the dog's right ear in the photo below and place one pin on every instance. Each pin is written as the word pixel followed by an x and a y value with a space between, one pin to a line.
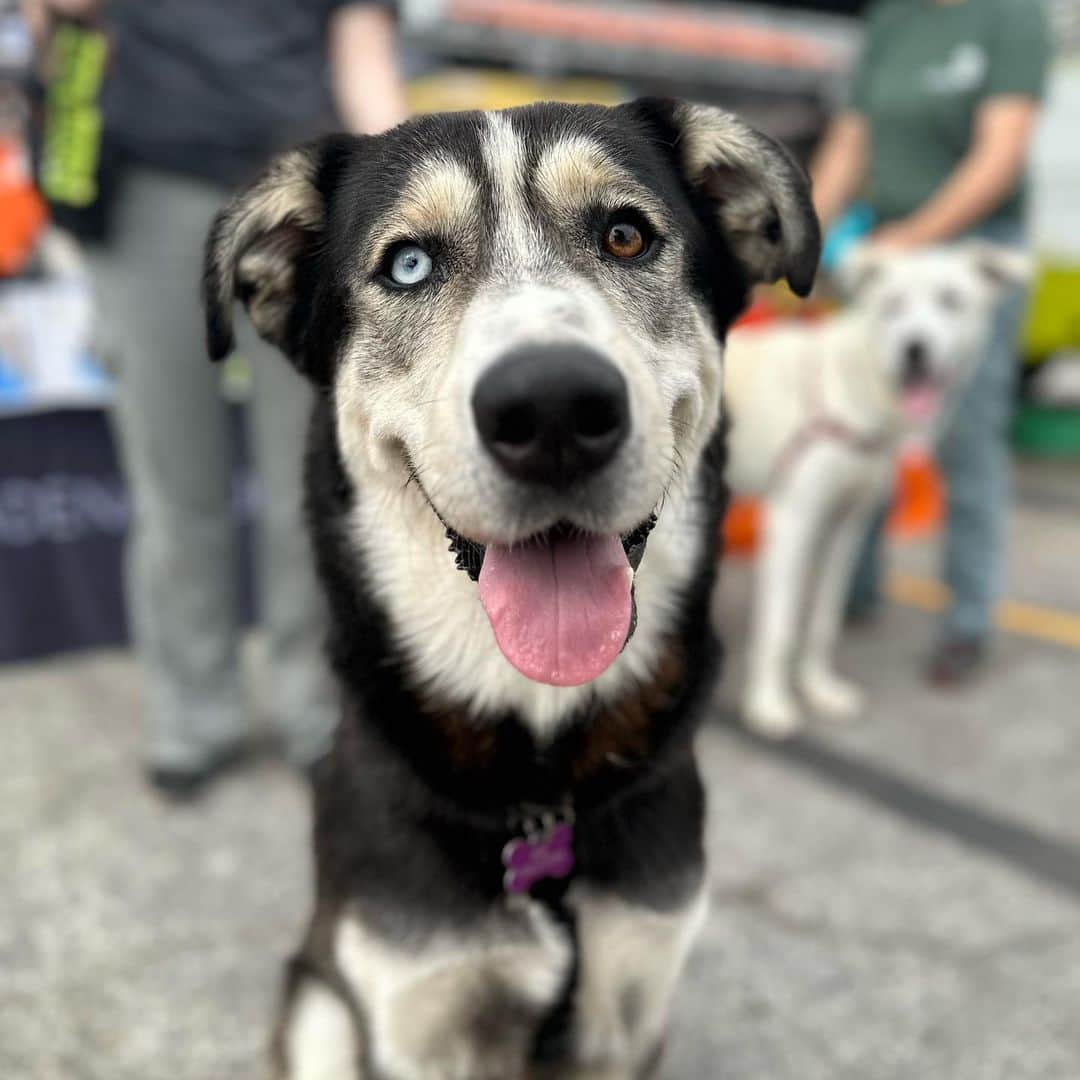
pixel 257 246
pixel 1002 266
pixel 752 186
pixel 860 266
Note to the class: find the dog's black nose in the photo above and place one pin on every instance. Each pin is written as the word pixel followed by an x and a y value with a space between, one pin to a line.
pixel 916 363
pixel 552 414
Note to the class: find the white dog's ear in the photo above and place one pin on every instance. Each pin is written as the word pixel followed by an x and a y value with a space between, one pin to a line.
pixel 259 247
pixel 860 266
pixel 1002 266
pixel 759 193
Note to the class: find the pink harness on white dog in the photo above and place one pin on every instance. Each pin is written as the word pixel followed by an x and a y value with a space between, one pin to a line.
pixel 821 428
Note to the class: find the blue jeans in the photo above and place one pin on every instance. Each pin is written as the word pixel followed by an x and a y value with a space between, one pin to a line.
pixel 974 459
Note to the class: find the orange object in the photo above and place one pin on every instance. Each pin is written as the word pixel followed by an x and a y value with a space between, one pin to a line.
pixel 918 509
pixel 742 527
pixel 919 506
pixel 777 303
pixel 759 313
pixel 23 212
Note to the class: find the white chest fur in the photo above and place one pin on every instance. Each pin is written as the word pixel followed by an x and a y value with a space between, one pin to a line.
pixel 437 618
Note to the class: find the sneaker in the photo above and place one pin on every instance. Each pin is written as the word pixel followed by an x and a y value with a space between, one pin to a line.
pixel 187 785
pixel 956 661
pixel 862 614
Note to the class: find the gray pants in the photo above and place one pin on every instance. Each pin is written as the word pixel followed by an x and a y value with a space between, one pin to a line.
pixel 174 434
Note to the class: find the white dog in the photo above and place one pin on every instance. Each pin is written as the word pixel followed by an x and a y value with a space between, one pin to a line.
pixel 819 412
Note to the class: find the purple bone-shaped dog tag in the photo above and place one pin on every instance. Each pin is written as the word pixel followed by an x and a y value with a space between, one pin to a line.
pixel 527 861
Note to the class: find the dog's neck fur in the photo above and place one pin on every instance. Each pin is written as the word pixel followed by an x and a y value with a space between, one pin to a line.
pixel 852 359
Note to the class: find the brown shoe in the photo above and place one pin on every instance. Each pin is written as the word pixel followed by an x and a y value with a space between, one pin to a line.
pixel 956 661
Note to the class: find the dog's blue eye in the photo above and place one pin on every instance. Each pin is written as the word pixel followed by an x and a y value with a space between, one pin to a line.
pixel 410 266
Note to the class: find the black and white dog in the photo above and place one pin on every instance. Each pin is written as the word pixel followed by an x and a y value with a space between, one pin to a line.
pixel 516 323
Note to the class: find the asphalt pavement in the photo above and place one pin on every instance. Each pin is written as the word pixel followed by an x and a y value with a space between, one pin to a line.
pixel 895 899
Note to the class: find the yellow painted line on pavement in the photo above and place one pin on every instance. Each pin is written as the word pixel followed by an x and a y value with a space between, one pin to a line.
pixel 1026 620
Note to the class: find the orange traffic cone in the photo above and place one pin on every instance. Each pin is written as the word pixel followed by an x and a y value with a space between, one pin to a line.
pixel 919 506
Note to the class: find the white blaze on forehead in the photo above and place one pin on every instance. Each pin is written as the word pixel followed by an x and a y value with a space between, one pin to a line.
pixel 516 238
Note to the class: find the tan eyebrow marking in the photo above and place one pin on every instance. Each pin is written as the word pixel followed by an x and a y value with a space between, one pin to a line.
pixel 440 198
pixel 576 172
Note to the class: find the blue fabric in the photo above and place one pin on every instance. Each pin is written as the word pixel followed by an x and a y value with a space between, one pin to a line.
pixel 974 458
pixel 847 233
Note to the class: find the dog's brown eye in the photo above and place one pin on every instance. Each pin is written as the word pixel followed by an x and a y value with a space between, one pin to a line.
pixel 950 299
pixel 624 240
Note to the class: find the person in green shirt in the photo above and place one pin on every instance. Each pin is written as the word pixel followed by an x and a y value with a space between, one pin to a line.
pixel 934 140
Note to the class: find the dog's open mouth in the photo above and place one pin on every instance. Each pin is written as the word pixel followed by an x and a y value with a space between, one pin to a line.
pixel 561 604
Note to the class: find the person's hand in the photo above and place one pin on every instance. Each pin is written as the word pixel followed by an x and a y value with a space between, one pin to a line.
pixel 368 90
pixel 897 236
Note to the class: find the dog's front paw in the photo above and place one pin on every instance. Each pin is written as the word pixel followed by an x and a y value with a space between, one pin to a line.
pixel 462 1060
pixel 464 1063
pixel 771 715
pixel 831 697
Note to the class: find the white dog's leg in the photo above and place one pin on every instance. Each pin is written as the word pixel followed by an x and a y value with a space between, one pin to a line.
pixel 792 524
pixel 827 694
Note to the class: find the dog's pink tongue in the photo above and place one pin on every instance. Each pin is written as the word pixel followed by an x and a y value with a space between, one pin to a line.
pixel 920 403
pixel 560 608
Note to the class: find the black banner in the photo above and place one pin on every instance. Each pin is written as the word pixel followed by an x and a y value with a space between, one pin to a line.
pixel 64 515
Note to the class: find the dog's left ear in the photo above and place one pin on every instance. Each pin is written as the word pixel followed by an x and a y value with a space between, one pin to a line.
pixel 760 194
pixel 1002 266
pixel 259 247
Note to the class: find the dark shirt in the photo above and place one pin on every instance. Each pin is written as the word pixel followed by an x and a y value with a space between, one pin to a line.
pixel 213 87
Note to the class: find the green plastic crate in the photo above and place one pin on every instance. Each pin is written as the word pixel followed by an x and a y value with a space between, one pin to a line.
pixel 1047 431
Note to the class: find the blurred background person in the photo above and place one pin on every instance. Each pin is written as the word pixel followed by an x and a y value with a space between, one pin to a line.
pixel 934 141
pixel 198 95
